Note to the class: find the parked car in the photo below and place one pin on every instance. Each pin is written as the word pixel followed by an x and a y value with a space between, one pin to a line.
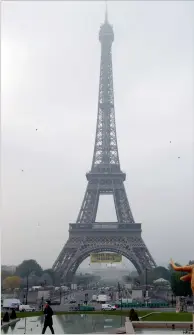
pixel 26 308
pixel 72 301
pixel 107 307
pixel 73 309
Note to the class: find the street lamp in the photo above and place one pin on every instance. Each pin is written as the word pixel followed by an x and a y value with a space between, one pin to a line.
pixel 120 294
pixel 120 297
pixel 172 301
pixel 146 285
pixel 60 295
pixel 27 284
pixel 146 279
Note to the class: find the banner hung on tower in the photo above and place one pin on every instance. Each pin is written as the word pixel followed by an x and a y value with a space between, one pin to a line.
pixel 105 258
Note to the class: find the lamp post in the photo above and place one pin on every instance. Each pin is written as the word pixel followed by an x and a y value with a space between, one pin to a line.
pixel 42 304
pixel 120 294
pixel 146 279
pixel 146 285
pixel 120 298
pixel 27 284
pixel 60 295
pixel 172 301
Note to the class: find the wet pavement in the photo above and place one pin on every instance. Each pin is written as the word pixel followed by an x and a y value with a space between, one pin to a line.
pixel 68 324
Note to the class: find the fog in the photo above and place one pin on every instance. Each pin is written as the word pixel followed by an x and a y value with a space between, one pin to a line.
pixel 50 76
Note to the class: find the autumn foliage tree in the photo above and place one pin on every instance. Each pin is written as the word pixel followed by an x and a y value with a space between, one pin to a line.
pixel 11 282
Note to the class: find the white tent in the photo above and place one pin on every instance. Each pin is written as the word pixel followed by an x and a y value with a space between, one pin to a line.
pixel 161 281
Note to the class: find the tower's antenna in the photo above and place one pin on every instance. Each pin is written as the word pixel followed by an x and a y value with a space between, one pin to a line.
pixel 106 12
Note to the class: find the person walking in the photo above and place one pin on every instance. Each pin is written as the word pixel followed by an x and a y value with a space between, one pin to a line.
pixel 48 321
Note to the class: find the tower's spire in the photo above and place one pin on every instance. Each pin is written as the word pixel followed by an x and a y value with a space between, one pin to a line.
pixel 106 12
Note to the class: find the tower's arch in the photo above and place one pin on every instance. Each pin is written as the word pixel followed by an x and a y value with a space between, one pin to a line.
pixel 86 252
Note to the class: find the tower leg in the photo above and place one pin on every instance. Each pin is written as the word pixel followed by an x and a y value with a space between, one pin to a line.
pixel 89 205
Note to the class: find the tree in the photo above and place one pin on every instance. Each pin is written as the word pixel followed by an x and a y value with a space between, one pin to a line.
pixel 4 274
pixel 32 279
pixel 52 274
pixel 154 274
pixel 12 282
pixel 45 279
pixel 161 272
pixel 179 287
pixel 28 267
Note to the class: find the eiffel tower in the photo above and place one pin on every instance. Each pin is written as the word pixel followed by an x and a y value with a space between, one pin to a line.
pixel 105 177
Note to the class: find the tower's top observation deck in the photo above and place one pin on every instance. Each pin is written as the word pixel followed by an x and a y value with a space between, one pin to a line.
pixel 106 30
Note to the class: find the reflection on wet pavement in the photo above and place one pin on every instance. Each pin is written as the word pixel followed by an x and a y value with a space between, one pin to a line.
pixel 68 324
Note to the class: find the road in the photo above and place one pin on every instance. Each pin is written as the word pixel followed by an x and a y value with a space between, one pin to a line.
pixel 65 308
pixel 80 297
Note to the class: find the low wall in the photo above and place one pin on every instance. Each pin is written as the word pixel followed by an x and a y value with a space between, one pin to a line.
pixel 129 326
pixel 160 324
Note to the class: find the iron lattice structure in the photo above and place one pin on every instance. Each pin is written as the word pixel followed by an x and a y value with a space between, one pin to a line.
pixel 105 177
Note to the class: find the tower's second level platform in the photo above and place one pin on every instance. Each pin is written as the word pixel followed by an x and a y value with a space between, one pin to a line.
pixel 107 228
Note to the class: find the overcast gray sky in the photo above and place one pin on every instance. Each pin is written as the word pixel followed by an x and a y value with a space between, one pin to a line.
pixel 50 75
